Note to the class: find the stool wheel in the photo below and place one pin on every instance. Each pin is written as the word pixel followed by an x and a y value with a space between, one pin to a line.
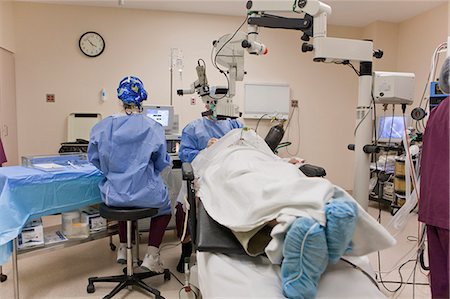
pixel 112 246
pixel 90 288
pixel 166 274
pixel 3 278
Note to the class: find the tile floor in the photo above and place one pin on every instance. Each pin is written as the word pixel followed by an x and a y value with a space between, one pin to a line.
pixel 63 273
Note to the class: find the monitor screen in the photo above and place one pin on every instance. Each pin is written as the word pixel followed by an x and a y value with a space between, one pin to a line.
pixel 391 128
pixel 160 114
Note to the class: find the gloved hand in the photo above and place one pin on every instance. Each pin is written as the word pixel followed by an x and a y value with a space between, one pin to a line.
pixel 211 141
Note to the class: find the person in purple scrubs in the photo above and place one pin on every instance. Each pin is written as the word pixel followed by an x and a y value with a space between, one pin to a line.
pixel 434 190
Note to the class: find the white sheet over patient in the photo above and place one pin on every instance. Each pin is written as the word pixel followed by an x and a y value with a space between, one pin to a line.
pixel 243 185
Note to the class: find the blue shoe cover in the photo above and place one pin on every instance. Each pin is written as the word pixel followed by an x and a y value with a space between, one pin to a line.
pixel 305 259
pixel 342 216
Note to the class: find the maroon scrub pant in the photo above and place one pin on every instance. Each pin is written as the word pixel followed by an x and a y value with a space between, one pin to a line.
pixel 438 255
pixel 156 231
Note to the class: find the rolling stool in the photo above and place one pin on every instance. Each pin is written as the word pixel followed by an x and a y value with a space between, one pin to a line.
pixel 130 278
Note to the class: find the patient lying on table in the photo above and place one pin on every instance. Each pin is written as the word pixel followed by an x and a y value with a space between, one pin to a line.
pixel 271 207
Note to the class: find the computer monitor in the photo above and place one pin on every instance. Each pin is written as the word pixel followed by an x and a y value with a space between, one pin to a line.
pixel 160 114
pixel 391 128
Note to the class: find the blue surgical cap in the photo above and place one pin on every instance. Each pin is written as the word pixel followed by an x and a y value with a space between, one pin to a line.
pixel 444 77
pixel 131 91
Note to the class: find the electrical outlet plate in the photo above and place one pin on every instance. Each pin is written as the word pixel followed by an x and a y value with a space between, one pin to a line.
pixel 50 98
pixel 294 103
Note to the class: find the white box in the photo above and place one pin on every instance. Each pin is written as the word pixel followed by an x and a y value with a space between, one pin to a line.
pixel 92 217
pixel 32 235
pixel 393 88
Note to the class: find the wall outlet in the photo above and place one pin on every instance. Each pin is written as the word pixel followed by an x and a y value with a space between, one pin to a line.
pixel 192 101
pixel 50 98
pixel 294 103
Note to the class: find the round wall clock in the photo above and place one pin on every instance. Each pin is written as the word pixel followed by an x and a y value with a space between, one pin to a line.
pixel 92 44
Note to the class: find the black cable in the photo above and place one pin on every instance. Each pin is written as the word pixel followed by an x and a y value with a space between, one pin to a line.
pixel 204 63
pixel 171 273
pixel 257 124
pixel 353 67
pixel 362 270
pixel 408 283
pixel 289 131
pixel 412 238
pixel 234 34
pixel 374 120
pixel 290 117
pixel 214 61
pixel 390 137
pixel 357 127
pixel 414 277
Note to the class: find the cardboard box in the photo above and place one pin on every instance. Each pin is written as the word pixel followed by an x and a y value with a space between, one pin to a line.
pixel 32 235
pixel 92 217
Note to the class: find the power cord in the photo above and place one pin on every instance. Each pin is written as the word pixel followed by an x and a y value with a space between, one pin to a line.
pixel 257 124
pixel 289 131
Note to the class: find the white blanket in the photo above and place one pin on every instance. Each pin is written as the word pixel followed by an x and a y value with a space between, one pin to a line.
pixel 243 185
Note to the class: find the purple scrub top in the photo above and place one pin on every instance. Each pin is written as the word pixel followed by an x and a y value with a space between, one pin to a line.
pixel 434 165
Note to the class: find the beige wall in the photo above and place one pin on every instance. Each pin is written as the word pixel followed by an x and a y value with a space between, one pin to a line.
pixel 138 42
pixel 385 37
pixel 7 25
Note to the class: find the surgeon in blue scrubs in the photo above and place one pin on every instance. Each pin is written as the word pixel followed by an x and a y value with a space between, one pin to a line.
pixel 196 136
pixel 130 149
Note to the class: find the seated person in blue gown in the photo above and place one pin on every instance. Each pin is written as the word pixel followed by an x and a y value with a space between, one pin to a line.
pixel 130 149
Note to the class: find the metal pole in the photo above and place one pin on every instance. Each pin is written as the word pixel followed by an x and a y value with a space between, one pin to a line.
pixel 129 245
pixel 171 82
pixel 362 138
pixel 15 270
pixel 137 241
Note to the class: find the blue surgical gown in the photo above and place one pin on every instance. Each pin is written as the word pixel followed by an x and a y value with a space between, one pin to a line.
pixel 131 152
pixel 195 135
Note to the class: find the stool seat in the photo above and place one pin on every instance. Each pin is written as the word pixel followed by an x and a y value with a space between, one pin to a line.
pixel 129 278
pixel 126 213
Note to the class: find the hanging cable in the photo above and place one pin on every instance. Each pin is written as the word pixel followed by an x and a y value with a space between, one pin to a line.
pixel 214 61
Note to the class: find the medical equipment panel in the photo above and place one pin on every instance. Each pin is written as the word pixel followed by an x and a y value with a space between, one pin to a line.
pixel 436 95
pixel 393 88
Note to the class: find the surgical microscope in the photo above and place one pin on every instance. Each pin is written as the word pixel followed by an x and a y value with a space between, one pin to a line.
pixel 230 55
pixel 342 51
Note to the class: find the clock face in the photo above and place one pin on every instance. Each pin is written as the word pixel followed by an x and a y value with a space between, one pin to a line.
pixel 92 44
